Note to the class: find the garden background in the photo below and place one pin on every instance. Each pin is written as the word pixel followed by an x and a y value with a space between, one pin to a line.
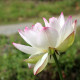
pixel 15 14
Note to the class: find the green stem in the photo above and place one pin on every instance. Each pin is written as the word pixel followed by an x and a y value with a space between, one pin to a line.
pixel 59 69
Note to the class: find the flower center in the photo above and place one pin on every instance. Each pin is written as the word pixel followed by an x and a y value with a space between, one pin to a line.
pixel 45 51
pixel 51 50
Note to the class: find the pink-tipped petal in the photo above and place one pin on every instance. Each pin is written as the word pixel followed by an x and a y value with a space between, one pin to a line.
pixel 61 13
pixel 22 34
pixel 45 28
pixel 32 27
pixel 54 23
pixel 46 22
pixel 75 21
pixel 26 28
pixel 25 49
pixel 37 27
pixel 45 19
pixel 31 65
pixel 61 20
pixel 67 29
pixel 13 43
pixel 52 19
pixel 19 30
pixel 41 64
pixel 29 36
pixel 74 25
pixel 70 17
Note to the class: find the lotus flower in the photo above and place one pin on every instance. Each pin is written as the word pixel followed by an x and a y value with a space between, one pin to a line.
pixel 57 34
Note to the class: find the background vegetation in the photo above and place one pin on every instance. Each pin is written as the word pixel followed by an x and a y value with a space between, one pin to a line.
pixel 12 66
pixel 25 10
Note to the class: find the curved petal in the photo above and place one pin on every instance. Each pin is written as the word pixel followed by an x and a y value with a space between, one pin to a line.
pixel 54 23
pixel 46 22
pixel 40 65
pixel 67 29
pixel 61 20
pixel 26 49
pixel 22 34
pixel 74 25
pixel 29 36
pixel 66 43
pixel 52 19
pixel 37 27
pixel 31 65
pixel 34 58
pixel 48 37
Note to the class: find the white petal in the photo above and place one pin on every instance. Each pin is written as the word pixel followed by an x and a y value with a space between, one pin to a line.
pixel 54 23
pixel 40 65
pixel 52 19
pixel 67 29
pixel 26 49
pixel 74 25
pixel 22 34
pixel 46 22
pixel 61 20
pixel 48 38
pixel 29 36
pixel 31 65
pixel 37 27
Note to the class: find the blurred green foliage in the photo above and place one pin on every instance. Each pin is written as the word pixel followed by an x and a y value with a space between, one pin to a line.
pixel 23 10
pixel 12 66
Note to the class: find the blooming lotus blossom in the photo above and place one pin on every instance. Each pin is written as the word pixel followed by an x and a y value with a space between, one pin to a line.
pixel 57 34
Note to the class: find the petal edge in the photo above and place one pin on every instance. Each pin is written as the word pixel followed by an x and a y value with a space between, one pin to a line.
pixel 40 65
